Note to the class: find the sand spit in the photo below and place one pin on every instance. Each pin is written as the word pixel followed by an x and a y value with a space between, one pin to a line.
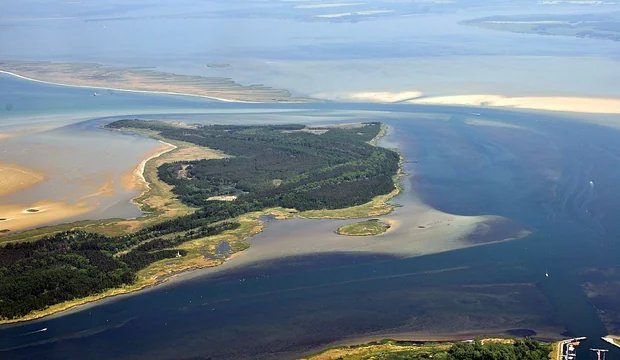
pixel 97 76
pixel 354 13
pixel 4 136
pixel 21 217
pixel 323 6
pixel 549 103
pixel 135 180
pixel 14 178
pixel 381 96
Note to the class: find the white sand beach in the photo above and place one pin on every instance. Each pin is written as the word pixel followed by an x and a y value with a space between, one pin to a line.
pixel 549 103
pixel 372 96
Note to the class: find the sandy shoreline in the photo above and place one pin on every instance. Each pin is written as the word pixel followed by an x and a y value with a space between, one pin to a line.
pixel 546 103
pixel 139 171
pixel 576 104
pixel 373 96
pixel 127 90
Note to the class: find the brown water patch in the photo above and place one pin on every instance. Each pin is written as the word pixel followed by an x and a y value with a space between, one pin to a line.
pixel 14 178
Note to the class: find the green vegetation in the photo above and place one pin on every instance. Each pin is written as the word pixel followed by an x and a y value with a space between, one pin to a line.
pixel 333 170
pixel 364 228
pixel 489 349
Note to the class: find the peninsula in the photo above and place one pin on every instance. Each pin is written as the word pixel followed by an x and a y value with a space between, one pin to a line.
pixel 284 170
pixel 145 80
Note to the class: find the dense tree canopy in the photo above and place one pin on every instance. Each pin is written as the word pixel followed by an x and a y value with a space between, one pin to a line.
pixel 522 349
pixel 279 165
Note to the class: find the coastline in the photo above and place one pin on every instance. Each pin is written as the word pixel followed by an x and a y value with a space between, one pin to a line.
pixel 139 171
pixel 544 103
pixel 128 90
pixel 377 206
pixel 412 339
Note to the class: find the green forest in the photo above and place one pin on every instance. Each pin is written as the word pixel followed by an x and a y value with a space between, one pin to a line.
pixel 269 166
pixel 520 349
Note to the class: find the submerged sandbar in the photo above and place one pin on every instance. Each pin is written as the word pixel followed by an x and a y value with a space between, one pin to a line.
pixel 14 178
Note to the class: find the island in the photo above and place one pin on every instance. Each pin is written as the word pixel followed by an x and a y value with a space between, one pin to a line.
pixel 281 170
pixel 478 349
pixel 604 26
pixel 364 228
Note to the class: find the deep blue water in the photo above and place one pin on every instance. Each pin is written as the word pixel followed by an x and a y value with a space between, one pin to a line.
pixel 285 307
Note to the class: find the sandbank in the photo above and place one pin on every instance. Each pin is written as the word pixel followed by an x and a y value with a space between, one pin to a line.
pixel 96 76
pixel 14 178
pixel 378 96
pixel 4 136
pixel 321 6
pixel 354 13
pixel 17 218
pixel 416 229
pixel 121 89
pixel 548 103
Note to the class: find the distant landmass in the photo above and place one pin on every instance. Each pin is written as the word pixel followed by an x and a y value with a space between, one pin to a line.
pixel 145 80
pixel 596 26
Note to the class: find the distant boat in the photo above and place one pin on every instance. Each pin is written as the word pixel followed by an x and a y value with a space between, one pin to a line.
pixel 95 94
pixel 546 274
pixel 591 183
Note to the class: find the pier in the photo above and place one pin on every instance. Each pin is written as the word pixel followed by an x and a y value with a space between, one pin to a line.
pixel 566 348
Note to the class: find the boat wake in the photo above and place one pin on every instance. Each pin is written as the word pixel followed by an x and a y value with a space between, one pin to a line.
pixel 34 332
